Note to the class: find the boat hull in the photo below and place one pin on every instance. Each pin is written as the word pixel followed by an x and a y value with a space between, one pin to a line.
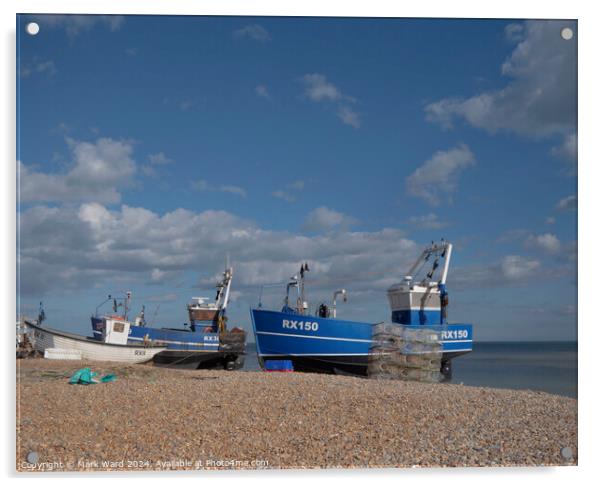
pixel 195 360
pixel 45 338
pixel 332 345
pixel 184 348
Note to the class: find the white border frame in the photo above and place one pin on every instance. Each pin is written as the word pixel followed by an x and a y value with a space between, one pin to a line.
pixel 590 83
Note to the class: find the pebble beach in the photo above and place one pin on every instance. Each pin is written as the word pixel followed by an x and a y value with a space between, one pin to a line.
pixel 164 419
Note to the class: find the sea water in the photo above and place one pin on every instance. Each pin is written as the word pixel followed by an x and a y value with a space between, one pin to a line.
pixel 544 366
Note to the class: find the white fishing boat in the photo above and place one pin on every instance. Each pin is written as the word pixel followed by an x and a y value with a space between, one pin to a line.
pixel 112 347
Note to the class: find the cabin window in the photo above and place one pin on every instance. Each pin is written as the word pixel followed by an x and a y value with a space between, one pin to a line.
pixel 118 327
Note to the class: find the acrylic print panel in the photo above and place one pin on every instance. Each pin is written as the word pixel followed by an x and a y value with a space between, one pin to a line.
pixel 254 242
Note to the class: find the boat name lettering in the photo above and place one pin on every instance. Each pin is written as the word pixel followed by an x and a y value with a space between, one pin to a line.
pixel 455 334
pixel 211 338
pixel 140 352
pixel 300 325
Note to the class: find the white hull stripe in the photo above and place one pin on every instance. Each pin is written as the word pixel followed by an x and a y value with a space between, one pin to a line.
pixel 133 338
pixel 315 337
pixel 340 354
pixel 342 339
pixel 316 354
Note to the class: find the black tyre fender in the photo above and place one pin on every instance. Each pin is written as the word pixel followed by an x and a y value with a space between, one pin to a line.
pixel 446 369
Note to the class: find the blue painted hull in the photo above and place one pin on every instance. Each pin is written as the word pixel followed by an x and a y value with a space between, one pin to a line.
pixel 187 349
pixel 333 345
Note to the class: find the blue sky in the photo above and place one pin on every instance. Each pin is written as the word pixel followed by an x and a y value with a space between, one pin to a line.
pixel 150 147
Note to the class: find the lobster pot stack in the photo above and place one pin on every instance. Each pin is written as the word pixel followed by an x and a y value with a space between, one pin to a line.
pixel 232 341
pixel 406 353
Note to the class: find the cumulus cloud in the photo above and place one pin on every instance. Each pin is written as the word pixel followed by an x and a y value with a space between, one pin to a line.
pixel 319 90
pixel 568 149
pixel 546 242
pixel 289 193
pixel 185 105
pixel 262 92
pixel 37 66
pixel 540 97
pixel 568 203
pixel 439 175
pixel 516 267
pixel 160 298
pixel 70 248
pixel 159 159
pixel 98 172
pixel 203 185
pixel 325 219
pixel 349 117
pixel 428 221
pixel 76 24
pixel 65 248
pixel 284 195
pixel 239 191
pixel 255 32
pixel 154 160
pixel 508 270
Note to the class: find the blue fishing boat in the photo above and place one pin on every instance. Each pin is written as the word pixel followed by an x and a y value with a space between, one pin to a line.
pixel 203 342
pixel 323 343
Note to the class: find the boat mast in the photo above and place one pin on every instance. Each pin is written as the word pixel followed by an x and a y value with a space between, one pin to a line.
pixel 302 305
pixel 126 305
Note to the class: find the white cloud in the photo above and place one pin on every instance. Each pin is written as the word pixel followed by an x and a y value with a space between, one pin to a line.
pixel 324 219
pixel 540 98
pixel 568 149
pixel 319 89
pixel 255 32
pixel 507 271
pixel 200 185
pixel 262 92
pixel 185 105
pixel 98 172
pixel 239 191
pixel 439 175
pixel 568 203
pixel 516 267
pixel 284 195
pixel 75 24
pixel 149 171
pixel 38 66
pixel 428 221
pixel 160 298
pixel 80 247
pixel 349 117
pixel 547 242
pixel 203 185
pixel 159 159
pixel 288 194
pixel 131 51
pixel 65 249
